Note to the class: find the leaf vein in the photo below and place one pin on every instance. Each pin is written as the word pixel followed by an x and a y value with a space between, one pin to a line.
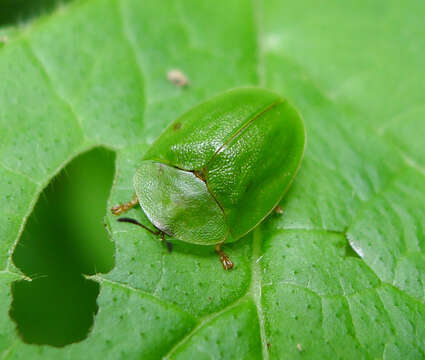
pixel 16 172
pixel 256 287
pixel 38 62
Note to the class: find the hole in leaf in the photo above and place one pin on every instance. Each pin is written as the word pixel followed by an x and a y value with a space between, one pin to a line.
pixel 63 239
pixel 53 310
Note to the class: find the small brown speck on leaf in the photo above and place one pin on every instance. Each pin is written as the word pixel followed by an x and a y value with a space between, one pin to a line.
pixel 278 210
pixel 177 126
pixel 177 77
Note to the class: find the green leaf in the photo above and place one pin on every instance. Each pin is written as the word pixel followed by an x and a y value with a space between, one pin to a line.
pixel 339 275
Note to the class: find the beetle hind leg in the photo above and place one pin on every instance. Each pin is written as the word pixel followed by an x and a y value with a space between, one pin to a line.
pixel 121 208
pixel 224 259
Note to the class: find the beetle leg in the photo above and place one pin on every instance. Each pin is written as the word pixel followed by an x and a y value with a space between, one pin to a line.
pixel 119 209
pixel 224 259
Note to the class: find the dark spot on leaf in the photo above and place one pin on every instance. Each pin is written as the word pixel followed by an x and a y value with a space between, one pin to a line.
pixel 177 126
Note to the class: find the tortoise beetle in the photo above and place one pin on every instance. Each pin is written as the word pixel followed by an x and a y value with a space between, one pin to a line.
pixel 217 171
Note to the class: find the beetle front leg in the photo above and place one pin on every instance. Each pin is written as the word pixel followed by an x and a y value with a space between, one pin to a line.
pixel 224 259
pixel 121 208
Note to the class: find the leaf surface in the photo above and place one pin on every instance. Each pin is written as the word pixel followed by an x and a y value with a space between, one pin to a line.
pixel 339 275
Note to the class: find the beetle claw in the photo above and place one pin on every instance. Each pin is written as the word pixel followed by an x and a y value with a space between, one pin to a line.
pixel 121 208
pixel 117 209
pixel 226 262
pixel 224 259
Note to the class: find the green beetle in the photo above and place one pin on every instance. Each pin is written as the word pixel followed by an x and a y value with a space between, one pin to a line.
pixel 217 171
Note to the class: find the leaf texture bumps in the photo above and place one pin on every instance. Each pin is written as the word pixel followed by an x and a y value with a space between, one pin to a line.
pixel 94 73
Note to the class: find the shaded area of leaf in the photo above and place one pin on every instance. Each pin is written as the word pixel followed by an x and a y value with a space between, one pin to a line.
pixel 16 11
pixel 63 239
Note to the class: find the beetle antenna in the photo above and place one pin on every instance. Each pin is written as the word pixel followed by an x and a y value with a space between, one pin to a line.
pixel 135 222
